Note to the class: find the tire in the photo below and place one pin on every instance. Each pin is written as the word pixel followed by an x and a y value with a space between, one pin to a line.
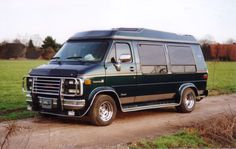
pixel 188 101
pixel 103 110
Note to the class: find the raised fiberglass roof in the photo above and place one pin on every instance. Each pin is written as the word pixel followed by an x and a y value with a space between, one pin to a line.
pixel 134 34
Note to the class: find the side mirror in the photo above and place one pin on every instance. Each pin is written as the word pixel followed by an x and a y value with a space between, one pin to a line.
pixel 116 64
pixel 125 58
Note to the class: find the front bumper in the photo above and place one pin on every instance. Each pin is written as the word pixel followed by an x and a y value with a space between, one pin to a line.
pixel 50 103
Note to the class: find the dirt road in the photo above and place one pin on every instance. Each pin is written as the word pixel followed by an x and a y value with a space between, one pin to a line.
pixel 57 133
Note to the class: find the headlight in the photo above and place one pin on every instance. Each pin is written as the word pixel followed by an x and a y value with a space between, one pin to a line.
pixel 70 87
pixel 72 91
pixel 29 82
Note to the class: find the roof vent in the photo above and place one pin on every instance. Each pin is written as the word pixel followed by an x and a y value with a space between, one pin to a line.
pixel 130 29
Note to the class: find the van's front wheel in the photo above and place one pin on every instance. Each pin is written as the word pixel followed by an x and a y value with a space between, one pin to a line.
pixel 188 101
pixel 103 110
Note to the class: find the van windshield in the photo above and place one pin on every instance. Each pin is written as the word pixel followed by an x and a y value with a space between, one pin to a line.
pixel 92 51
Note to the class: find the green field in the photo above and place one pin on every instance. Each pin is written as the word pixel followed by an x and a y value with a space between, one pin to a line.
pixel 12 100
pixel 222 79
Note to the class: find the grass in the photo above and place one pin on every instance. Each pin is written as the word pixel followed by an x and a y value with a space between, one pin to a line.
pixel 222 79
pixel 183 139
pixel 12 100
pixel 216 131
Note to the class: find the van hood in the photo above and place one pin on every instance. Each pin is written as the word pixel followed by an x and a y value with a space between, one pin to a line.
pixel 61 70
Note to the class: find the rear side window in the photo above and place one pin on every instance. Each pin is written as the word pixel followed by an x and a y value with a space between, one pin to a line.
pixel 181 59
pixel 153 59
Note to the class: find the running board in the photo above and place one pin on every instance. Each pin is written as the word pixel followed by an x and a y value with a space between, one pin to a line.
pixel 137 107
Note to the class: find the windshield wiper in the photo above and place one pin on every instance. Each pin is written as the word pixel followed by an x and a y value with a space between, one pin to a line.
pixel 74 57
pixel 57 57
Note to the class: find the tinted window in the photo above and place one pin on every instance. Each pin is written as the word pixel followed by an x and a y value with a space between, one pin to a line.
pixel 181 59
pixel 152 55
pixel 153 59
pixel 181 55
pixel 200 62
pixel 154 69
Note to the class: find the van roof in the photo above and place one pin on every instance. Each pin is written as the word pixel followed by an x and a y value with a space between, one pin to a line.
pixel 135 34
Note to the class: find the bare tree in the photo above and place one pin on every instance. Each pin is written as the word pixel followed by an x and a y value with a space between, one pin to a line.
pixel 230 41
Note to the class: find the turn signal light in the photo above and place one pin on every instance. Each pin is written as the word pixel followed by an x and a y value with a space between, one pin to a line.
pixel 87 82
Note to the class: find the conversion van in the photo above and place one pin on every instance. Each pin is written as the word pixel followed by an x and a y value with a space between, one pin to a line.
pixel 97 73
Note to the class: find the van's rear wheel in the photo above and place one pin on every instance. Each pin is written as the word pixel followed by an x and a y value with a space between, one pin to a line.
pixel 188 101
pixel 103 110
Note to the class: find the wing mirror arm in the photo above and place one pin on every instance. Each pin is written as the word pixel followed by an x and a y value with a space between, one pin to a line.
pixel 116 64
pixel 122 59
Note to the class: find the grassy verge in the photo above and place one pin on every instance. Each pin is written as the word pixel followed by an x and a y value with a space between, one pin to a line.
pixel 217 131
pixel 12 100
pixel 183 139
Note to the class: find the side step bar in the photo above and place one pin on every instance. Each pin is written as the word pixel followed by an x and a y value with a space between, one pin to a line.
pixel 144 107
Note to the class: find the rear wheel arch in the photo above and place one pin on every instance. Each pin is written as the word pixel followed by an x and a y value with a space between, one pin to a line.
pixel 184 87
pixel 187 101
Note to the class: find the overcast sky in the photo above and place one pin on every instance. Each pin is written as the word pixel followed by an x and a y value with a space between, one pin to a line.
pixel 63 18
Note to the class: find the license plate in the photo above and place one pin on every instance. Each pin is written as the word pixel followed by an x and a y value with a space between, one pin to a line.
pixel 47 103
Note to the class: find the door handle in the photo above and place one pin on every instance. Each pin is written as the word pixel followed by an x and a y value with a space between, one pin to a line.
pixel 131 68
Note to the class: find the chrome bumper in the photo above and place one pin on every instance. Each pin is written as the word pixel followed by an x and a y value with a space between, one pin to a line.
pixel 67 104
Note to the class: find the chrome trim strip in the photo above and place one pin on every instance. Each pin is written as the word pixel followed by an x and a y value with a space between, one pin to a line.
pixel 61 115
pixel 28 100
pixel 28 96
pixel 48 81
pixel 98 81
pixel 150 107
pixel 51 87
pixel 47 84
pixel 44 90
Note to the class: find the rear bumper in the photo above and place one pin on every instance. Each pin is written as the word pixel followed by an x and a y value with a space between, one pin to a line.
pixel 202 94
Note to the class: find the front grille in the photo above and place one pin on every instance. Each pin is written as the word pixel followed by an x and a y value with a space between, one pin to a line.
pixel 44 85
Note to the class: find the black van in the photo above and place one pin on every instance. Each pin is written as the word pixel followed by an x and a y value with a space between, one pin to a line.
pixel 96 73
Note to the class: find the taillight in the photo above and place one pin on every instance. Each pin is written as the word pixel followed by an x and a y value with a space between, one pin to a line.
pixel 205 76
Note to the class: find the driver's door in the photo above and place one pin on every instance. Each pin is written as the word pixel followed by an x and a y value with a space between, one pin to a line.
pixel 123 80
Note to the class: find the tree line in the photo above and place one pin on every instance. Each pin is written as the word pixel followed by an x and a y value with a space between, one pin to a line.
pixel 18 50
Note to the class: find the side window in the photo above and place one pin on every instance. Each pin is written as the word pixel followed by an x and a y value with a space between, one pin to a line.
pixel 153 59
pixel 122 48
pixel 181 59
pixel 118 50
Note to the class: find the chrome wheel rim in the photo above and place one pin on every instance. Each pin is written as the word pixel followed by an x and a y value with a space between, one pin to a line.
pixel 189 101
pixel 105 111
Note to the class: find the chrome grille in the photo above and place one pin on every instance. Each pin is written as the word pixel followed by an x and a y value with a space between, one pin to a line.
pixel 46 85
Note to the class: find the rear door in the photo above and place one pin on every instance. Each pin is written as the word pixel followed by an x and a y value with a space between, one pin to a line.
pixel 123 80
